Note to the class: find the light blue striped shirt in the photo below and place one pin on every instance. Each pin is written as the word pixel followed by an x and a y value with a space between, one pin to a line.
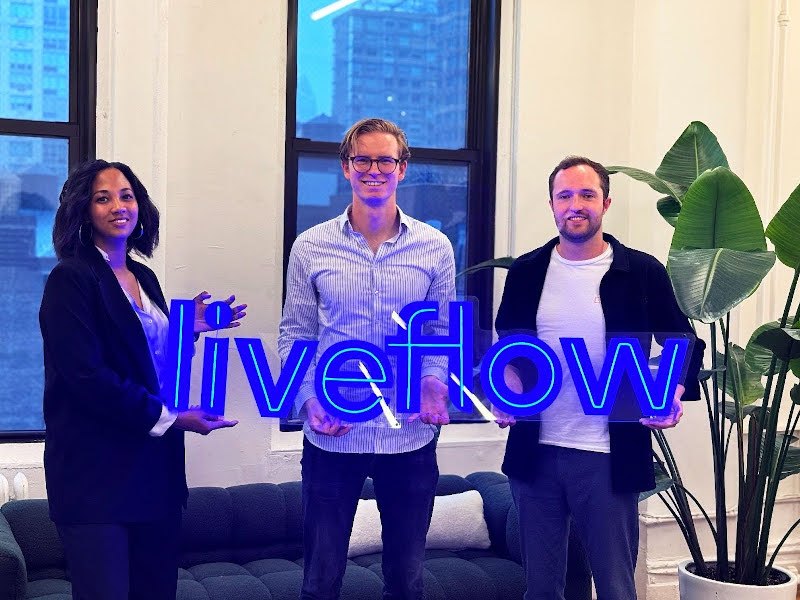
pixel 338 290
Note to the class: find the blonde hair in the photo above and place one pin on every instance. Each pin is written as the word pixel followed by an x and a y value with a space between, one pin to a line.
pixel 369 126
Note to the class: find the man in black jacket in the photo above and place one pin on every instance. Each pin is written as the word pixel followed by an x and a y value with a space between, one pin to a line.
pixel 570 469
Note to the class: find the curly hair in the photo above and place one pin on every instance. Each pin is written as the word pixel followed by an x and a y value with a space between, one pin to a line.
pixel 73 209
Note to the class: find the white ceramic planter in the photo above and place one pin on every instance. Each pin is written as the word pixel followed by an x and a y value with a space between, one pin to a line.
pixel 693 587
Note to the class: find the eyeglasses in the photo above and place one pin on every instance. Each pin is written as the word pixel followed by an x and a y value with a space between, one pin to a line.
pixel 386 164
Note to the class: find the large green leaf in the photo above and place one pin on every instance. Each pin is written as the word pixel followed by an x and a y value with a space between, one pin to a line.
pixel 743 383
pixel 751 409
pixel 705 374
pixel 791 464
pixel 784 231
pixel 658 184
pixel 756 355
pixel 493 263
pixel 663 482
pixel 695 151
pixel 718 211
pixel 669 208
pixel 709 283
pixel 794 393
pixel 784 343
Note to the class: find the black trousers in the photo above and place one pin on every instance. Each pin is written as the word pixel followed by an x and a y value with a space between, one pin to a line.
pixel 114 561
pixel 405 485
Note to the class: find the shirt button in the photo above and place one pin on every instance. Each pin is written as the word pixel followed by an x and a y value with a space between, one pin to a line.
pixel 376 292
pixel 158 352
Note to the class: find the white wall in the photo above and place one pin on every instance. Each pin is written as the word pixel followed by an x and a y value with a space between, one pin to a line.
pixel 192 94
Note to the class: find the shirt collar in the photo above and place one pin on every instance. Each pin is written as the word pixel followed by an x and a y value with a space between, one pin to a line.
pixel 146 303
pixel 103 253
pixel 343 220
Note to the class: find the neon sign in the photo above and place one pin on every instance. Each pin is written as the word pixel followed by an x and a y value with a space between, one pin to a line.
pixel 625 360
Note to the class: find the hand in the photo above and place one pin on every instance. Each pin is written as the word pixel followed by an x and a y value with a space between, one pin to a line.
pixel 503 419
pixel 322 422
pixel 433 402
pixel 670 420
pixel 200 324
pixel 514 383
pixel 199 421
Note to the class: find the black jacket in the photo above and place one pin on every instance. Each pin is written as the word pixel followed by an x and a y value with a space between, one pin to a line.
pixel 101 399
pixel 636 296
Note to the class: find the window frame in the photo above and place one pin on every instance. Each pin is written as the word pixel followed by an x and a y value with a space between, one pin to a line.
pixel 80 128
pixel 479 155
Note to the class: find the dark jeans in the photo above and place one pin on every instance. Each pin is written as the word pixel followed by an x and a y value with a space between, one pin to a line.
pixel 137 561
pixel 576 484
pixel 405 485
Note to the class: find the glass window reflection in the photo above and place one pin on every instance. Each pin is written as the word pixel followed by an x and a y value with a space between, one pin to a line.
pixel 34 60
pixel 349 68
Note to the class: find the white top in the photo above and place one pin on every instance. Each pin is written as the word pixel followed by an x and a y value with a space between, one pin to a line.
pixel 156 328
pixel 570 307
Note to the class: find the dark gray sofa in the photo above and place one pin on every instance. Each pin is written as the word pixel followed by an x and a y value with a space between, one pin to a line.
pixel 244 543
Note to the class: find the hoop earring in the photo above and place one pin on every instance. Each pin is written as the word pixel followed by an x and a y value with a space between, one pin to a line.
pixel 80 235
pixel 141 232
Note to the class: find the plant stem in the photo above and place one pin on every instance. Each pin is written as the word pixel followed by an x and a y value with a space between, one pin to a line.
pixel 770 469
pixel 778 547
pixel 681 503
pixel 719 468
pixel 702 510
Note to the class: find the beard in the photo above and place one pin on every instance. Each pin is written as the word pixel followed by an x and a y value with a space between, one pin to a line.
pixel 592 227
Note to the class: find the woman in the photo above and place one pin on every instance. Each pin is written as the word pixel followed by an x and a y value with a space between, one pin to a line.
pixel 114 458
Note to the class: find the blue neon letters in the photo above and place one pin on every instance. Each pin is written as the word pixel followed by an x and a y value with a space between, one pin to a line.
pixel 625 359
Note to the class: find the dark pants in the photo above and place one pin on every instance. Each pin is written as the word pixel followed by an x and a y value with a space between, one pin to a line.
pixel 575 484
pixel 137 561
pixel 405 485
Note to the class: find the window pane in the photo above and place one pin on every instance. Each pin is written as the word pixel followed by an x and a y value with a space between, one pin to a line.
pixel 34 60
pixel 30 183
pixel 436 194
pixel 403 60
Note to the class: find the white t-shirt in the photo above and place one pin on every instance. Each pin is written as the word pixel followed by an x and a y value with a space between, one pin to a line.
pixel 570 307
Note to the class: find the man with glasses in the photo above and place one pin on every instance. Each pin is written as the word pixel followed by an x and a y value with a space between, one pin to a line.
pixel 345 278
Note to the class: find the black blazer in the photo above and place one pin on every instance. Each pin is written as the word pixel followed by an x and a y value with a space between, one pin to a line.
pixel 636 296
pixel 101 399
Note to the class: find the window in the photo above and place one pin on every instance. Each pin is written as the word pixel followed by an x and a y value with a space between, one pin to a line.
pixel 431 67
pixel 21 34
pixel 22 11
pixel 47 106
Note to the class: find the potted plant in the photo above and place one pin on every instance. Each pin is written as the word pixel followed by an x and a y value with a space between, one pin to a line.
pixel 718 258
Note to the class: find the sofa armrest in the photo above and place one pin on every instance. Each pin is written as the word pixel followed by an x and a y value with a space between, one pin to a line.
pixel 499 511
pixel 13 573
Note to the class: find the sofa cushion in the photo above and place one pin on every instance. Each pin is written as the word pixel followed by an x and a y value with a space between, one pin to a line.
pixel 457 522
pixel 270 579
pixel 49 589
pixel 37 538
pixel 242 523
pixel 465 574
